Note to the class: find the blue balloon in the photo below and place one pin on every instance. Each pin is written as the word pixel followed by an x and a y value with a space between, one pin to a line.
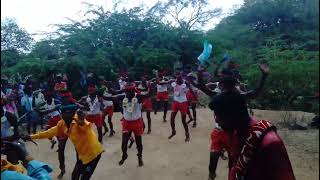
pixel 207 50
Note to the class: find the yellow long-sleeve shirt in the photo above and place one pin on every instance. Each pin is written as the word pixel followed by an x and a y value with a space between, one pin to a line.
pixel 83 137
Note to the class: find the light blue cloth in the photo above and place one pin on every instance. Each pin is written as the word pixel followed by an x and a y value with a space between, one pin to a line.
pixel 37 170
pixel 204 56
pixel 6 130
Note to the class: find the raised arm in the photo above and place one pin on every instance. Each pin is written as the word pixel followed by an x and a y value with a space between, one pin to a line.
pixel 202 86
pixel 264 68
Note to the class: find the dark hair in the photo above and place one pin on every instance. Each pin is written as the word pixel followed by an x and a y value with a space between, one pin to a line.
pixel 232 107
pixel 228 82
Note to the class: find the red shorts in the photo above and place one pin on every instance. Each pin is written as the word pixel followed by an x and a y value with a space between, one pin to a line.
pixel 222 140
pixel 191 98
pixel 147 104
pixel 182 107
pixel 108 110
pixel 53 122
pixel 95 118
pixel 132 126
pixel 162 96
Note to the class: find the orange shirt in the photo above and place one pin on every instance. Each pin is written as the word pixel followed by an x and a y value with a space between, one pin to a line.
pixel 6 165
pixel 83 137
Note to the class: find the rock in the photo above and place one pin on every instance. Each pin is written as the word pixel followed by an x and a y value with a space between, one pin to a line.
pixel 301 126
pixel 315 122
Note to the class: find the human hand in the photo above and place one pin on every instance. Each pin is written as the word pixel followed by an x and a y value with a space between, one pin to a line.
pixel 264 68
pixel 81 116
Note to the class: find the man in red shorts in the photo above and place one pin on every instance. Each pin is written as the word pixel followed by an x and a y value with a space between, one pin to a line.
pixel 180 103
pixel 162 95
pixel 107 109
pixel 262 155
pixel 144 88
pixel 94 115
pixel 132 120
pixel 192 97
pixel 54 117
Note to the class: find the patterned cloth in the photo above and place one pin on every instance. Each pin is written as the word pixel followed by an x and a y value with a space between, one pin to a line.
pixel 256 135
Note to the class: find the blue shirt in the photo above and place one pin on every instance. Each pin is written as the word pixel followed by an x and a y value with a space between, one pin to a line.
pixel 37 170
pixel 26 101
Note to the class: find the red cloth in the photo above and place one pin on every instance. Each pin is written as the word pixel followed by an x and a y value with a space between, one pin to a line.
pixel 108 111
pixel 221 140
pixel 53 122
pixel 162 96
pixel 132 126
pixel 182 107
pixel 271 160
pixel 62 86
pixel 95 118
pixel 147 104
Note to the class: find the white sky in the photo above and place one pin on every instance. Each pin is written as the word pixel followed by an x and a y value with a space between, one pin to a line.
pixel 36 15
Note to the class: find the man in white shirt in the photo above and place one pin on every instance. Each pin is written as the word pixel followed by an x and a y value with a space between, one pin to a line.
pixel 180 103
pixel 162 96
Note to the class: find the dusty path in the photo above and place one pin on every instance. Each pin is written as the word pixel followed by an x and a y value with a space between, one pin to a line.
pixel 177 160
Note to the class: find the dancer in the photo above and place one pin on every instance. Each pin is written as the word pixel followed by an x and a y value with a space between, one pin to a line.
pixel 144 88
pixel 54 117
pixel 261 148
pixel 132 120
pixel 108 109
pixel 79 131
pixel 94 115
pixel 225 139
pixel 162 95
pixel 180 88
pixel 192 97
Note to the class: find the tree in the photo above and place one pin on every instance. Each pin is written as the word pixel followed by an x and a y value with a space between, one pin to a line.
pixel 187 14
pixel 14 37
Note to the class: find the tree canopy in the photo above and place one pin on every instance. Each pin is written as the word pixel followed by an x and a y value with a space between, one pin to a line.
pixel 283 33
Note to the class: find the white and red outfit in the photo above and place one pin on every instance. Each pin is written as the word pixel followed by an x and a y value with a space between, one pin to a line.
pixel 108 105
pixel 132 118
pixel 122 84
pixel 162 92
pixel 147 103
pixel 54 117
pixel 94 114
pixel 192 97
pixel 180 102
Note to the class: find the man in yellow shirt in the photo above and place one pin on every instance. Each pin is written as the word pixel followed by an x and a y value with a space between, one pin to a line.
pixel 79 131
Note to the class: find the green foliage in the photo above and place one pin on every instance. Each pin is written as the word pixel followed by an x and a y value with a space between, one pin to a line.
pixel 13 37
pixel 286 84
pixel 283 33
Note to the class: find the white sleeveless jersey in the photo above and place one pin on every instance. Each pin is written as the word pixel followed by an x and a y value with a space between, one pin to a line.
pixel 135 114
pixel 143 92
pixel 217 89
pixel 179 92
pixel 107 103
pixel 122 84
pixel 94 106
pixel 51 106
pixel 162 88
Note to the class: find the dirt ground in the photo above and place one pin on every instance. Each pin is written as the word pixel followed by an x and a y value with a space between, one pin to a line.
pixel 176 160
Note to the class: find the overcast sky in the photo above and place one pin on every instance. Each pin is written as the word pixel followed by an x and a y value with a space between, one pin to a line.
pixel 37 15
